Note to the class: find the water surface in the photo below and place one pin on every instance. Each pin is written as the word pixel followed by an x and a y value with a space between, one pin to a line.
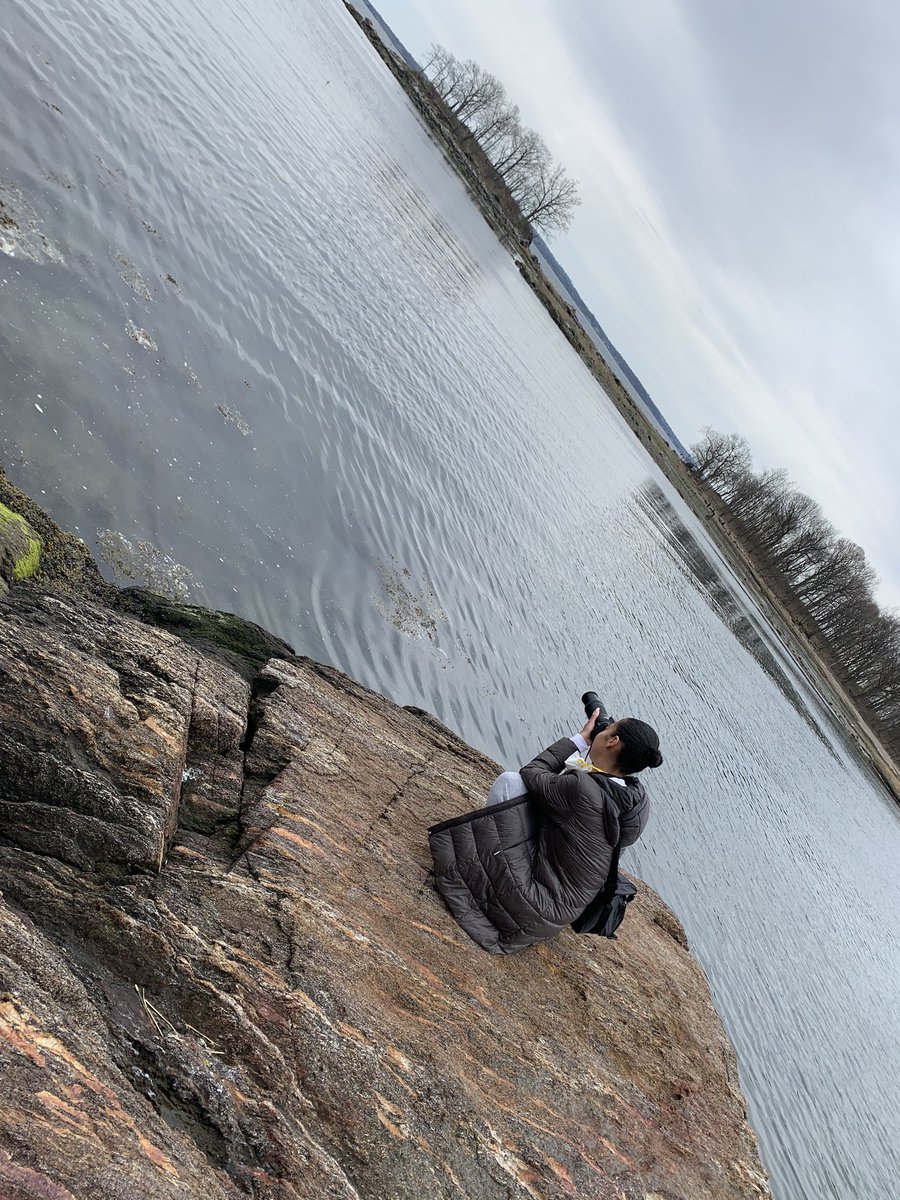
pixel 250 324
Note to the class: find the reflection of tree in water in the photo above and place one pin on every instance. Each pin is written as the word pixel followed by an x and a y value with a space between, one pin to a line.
pixel 718 595
pixel 454 271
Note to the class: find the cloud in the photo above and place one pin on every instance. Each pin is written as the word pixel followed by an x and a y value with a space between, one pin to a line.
pixel 738 238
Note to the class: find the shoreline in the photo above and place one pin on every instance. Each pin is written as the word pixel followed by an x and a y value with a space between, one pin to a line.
pixel 702 502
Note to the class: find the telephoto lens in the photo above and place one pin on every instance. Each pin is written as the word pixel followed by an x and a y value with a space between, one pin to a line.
pixel 592 702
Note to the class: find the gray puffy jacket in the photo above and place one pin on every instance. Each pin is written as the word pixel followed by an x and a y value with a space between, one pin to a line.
pixel 517 873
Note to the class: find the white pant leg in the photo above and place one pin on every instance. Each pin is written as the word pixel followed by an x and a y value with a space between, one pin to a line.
pixel 507 786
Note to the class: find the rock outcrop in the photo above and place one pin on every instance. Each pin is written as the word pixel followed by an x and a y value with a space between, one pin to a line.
pixel 224 972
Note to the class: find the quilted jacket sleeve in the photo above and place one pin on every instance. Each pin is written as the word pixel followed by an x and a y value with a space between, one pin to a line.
pixel 552 792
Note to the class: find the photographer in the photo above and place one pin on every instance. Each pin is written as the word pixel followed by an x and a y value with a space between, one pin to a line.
pixel 522 868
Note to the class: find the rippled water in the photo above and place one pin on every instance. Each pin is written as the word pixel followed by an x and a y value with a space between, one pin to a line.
pixel 251 324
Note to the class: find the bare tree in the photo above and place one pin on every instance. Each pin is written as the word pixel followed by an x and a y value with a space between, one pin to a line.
pixel 823 577
pixel 496 125
pixel 804 531
pixel 443 69
pixel 551 200
pixel 466 88
pixel 543 191
pixel 519 155
pixel 841 569
pixel 755 498
pixel 721 456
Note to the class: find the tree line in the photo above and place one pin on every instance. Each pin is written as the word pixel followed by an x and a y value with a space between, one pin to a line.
pixel 822 576
pixel 546 195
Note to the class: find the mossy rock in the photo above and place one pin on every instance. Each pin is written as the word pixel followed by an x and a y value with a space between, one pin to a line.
pixel 20 547
pixel 62 559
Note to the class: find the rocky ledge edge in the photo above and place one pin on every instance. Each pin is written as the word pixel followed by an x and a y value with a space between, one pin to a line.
pixel 224 971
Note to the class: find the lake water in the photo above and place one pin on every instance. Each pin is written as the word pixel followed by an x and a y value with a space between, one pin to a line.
pixel 251 325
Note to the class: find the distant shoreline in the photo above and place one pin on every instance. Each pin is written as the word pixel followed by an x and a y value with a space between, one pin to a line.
pixel 702 501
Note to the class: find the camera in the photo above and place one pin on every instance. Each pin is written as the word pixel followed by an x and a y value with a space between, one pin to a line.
pixel 592 702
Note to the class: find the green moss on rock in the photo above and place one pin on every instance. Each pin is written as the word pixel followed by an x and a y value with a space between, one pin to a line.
pixel 20 546
pixel 63 559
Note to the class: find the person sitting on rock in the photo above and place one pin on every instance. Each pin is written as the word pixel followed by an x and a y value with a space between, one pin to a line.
pixel 521 869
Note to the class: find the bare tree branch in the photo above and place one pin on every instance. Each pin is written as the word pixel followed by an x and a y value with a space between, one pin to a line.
pixel 553 199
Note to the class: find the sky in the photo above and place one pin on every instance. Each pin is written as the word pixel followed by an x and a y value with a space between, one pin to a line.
pixel 739 232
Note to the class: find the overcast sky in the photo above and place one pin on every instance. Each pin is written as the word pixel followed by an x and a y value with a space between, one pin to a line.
pixel 739 236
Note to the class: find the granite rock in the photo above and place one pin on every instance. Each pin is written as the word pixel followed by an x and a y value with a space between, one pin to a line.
pixel 224 972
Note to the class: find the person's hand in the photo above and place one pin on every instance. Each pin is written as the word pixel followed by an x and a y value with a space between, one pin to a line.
pixel 589 728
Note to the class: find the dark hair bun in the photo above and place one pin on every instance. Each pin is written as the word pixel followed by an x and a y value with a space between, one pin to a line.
pixel 640 746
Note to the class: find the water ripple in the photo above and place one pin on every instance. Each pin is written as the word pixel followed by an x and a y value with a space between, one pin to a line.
pixel 351 421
